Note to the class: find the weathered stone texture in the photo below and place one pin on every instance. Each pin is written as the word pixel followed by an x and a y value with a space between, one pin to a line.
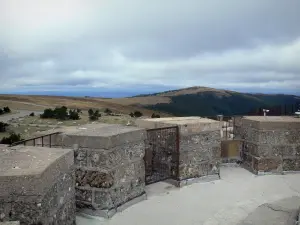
pixel 200 155
pixel 271 144
pixel 51 173
pixel 110 166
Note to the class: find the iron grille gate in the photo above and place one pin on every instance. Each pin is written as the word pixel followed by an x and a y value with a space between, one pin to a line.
pixel 162 154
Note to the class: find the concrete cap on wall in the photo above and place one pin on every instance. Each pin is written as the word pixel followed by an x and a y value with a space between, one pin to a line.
pixel 31 171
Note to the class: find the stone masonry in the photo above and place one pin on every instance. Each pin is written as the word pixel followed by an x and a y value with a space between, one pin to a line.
pixel 271 143
pixel 110 171
pixel 199 145
pixel 37 186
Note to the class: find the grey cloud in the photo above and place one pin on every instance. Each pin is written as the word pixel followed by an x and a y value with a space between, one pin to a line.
pixel 111 43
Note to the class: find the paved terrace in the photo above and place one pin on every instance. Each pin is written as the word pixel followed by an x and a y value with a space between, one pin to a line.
pixel 222 202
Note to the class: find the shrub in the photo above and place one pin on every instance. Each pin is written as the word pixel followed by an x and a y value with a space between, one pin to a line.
pixel 91 112
pixel 1 111
pixel 48 113
pixel 61 113
pixel 131 114
pixel 31 114
pixel 94 115
pixel 3 126
pixel 108 111
pixel 155 115
pixel 11 139
pixel 74 115
pixel 6 109
pixel 137 114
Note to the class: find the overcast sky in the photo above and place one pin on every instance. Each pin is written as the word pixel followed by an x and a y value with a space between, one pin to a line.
pixel 60 45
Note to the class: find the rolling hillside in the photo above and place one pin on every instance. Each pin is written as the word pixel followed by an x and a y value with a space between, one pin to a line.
pixel 202 101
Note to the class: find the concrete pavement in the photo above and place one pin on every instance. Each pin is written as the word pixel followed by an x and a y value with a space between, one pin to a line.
pixel 224 202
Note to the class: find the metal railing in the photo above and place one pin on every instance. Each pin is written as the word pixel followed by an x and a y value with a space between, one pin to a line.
pixel 34 140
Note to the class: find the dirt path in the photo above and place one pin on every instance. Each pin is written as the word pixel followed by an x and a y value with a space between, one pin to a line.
pixel 20 113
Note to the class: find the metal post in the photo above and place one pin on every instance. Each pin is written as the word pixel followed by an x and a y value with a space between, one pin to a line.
pixel 42 141
pixel 50 140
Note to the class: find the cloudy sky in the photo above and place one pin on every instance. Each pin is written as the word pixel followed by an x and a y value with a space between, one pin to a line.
pixel 141 45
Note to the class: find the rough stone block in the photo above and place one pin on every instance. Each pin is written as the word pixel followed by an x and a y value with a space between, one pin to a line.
pixel 94 178
pixel 267 164
pixel 291 164
pixel 203 168
pixel 108 159
pixel 105 199
pixel 35 184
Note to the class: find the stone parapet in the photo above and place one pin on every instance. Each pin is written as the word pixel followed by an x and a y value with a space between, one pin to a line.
pixel 37 185
pixel 110 170
pixel 269 149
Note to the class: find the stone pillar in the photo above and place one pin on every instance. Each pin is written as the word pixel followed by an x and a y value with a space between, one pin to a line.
pixel 271 144
pixel 110 171
pixel 37 186
pixel 200 151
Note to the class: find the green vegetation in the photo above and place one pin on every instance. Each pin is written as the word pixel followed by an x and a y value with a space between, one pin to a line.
pixel 94 115
pixel 5 110
pixel 31 114
pixel 155 115
pixel 3 127
pixel 108 111
pixel 60 113
pixel 13 137
pixel 211 104
pixel 136 114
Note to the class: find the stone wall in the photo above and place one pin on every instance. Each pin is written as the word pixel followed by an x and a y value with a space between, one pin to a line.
pixel 110 168
pixel 199 145
pixel 37 186
pixel 199 154
pixel 271 144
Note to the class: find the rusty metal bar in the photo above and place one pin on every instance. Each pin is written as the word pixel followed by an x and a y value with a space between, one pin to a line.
pixel 33 139
pixel 50 140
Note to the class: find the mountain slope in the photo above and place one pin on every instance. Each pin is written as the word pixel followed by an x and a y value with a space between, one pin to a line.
pixel 203 101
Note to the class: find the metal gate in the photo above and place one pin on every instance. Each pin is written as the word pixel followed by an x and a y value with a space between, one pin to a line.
pixel 162 154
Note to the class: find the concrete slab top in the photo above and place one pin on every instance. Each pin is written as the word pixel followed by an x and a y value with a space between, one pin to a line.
pixel 182 120
pixel 187 125
pixel 101 130
pixel 272 122
pixel 273 119
pixel 22 160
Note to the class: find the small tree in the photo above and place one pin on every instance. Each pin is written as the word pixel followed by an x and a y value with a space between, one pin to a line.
pixel 11 139
pixel 74 115
pixel 3 127
pixel 108 111
pixel 91 112
pixel 155 115
pixel 6 109
pixel 61 113
pixel 137 114
pixel 48 113
pixel 94 116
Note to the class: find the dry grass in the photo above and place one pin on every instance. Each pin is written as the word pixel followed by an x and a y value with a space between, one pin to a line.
pixel 28 102
pixel 166 96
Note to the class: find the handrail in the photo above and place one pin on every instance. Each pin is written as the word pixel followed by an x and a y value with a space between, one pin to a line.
pixel 33 139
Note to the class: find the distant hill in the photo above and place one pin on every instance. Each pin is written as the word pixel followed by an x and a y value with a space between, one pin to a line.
pixel 203 101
